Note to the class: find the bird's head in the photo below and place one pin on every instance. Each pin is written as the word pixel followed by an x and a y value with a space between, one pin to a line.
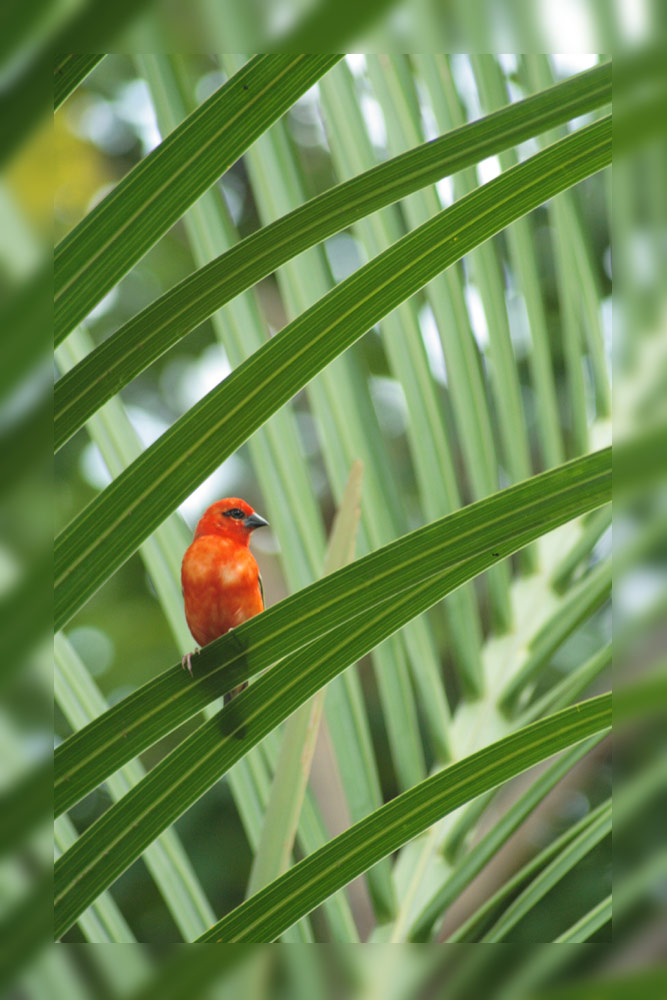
pixel 231 518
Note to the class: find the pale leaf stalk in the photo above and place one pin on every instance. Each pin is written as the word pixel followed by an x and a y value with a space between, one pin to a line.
pixel 298 747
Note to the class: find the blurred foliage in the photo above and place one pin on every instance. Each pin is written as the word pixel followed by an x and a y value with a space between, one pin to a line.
pixel 123 632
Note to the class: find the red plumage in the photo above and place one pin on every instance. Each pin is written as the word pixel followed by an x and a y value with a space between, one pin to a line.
pixel 220 578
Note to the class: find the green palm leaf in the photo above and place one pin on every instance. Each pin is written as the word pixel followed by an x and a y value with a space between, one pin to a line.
pixel 152 331
pixel 116 234
pixel 445 553
pixel 114 524
pixel 272 909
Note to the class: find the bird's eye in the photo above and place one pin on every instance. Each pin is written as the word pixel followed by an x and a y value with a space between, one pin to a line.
pixel 235 512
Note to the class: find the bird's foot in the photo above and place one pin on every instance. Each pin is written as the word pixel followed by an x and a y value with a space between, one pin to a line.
pixel 186 662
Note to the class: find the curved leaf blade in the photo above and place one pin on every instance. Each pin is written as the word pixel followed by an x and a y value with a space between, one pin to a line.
pixel 69 71
pixel 143 206
pixel 138 343
pixel 111 844
pixel 489 843
pixel 491 528
pixel 107 532
pixel 312 880
pixel 119 837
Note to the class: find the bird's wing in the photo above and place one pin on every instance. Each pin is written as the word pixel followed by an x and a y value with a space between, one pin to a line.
pixel 261 586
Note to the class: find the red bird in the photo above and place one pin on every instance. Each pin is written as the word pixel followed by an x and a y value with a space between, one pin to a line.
pixel 220 578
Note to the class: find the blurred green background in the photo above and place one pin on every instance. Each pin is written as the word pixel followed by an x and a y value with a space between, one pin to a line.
pixel 122 634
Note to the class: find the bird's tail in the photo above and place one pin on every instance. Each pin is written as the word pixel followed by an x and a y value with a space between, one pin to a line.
pixel 233 693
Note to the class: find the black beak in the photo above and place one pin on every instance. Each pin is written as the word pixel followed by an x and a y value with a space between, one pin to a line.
pixel 253 521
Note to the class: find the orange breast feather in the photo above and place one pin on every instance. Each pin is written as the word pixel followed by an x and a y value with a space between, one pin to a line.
pixel 220 585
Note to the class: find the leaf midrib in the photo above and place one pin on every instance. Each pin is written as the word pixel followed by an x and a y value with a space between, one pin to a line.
pixel 178 172
pixel 395 804
pixel 260 385
pixel 331 215
pixel 352 589
pixel 283 225
pixel 402 818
